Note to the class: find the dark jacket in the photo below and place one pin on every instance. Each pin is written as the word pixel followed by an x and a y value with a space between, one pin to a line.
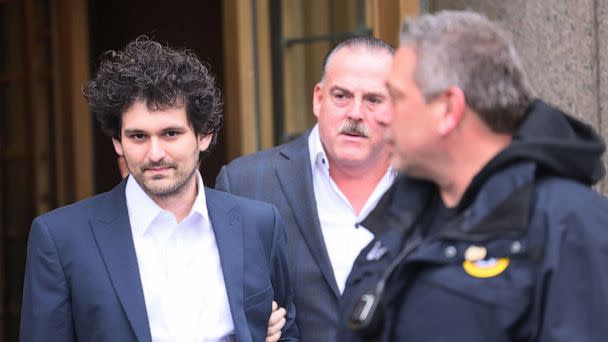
pixel 82 280
pixel 542 273
pixel 282 176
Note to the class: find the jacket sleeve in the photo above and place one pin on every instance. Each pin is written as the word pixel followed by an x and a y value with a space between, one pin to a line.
pixel 575 290
pixel 281 281
pixel 46 313
pixel 222 182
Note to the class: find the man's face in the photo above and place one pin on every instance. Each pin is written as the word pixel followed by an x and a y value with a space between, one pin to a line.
pixel 160 148
pixel 345 103
pixel 410 127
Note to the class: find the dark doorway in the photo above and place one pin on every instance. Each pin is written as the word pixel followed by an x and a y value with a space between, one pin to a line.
pixel 193 24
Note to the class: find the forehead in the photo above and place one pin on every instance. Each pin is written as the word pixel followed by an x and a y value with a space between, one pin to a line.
pixel 140 117
pixel 359 66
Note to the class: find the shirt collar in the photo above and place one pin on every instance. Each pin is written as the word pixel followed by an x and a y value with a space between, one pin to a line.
pixel 200 202
pixel 316 150
pixel 143 210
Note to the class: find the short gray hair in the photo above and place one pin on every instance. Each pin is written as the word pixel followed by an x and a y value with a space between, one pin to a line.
pixel 465 49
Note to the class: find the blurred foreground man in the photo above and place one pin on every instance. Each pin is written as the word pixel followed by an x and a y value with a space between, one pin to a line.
pixel 492 233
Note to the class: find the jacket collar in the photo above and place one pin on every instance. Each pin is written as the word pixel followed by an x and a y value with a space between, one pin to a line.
pixel 228 229
pixel 112 233
pixel 501 206
pixel 295 177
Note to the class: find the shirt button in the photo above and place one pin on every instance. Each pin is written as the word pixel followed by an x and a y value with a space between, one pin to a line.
pixel 357 225
pixel 450 252
pixel 515 247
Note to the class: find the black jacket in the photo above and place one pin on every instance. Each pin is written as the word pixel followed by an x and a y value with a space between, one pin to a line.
pixel 524 259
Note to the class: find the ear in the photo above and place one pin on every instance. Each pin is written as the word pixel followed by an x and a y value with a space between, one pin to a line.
pixel 117 147
pixel 203 141
pixel 454 107
pixel 317 98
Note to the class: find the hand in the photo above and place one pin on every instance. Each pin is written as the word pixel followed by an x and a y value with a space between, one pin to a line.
pixel 276 323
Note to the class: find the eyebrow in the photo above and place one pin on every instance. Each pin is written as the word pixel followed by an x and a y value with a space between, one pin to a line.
pixel 132 131
pixel 338 88
pixel 366 94
pixel 166 129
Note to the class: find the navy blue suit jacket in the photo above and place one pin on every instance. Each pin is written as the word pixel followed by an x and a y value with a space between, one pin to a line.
pixel 282 176
pixel 82 279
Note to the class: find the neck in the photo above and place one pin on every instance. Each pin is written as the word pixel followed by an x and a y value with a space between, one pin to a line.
pixel 358 183
pixel 469 159
pixel 181 202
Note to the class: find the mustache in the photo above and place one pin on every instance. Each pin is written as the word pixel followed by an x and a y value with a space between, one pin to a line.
pixel 352 127
pixel 157 165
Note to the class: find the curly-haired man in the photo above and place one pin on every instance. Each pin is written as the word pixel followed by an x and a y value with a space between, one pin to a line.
pixel 160 257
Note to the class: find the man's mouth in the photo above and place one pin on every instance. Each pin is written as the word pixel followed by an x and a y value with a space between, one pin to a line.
pixel 155 169
pixel 354 134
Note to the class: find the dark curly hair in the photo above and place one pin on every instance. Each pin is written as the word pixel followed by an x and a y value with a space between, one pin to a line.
pixel 161 77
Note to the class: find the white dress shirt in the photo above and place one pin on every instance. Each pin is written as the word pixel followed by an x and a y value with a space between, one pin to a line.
pixel 179 266
pixel 343 235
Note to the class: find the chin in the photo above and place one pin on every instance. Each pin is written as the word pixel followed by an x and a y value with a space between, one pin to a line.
pixel 349 160
pixel 167 191
pixel 353 155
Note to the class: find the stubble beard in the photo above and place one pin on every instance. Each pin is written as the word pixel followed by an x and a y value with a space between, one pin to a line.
pixel 174 188
pixel 177 186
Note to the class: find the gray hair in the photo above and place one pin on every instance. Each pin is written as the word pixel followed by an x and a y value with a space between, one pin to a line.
pixel 465 49
pixel 363 41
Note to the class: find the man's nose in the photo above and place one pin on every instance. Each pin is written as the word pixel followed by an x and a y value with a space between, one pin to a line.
pixel 157 151
pixel 356 111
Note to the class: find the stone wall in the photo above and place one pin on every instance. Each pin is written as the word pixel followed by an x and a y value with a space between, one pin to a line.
pixel 563 45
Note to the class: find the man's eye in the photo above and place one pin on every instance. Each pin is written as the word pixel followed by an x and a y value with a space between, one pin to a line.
pixel 172 133
pixel 375 100
pixel 137 136
pixel 341 97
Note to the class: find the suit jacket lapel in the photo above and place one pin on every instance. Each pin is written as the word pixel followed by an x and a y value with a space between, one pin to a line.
pixel 298 190
pixel 228 230
pixel 112 232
